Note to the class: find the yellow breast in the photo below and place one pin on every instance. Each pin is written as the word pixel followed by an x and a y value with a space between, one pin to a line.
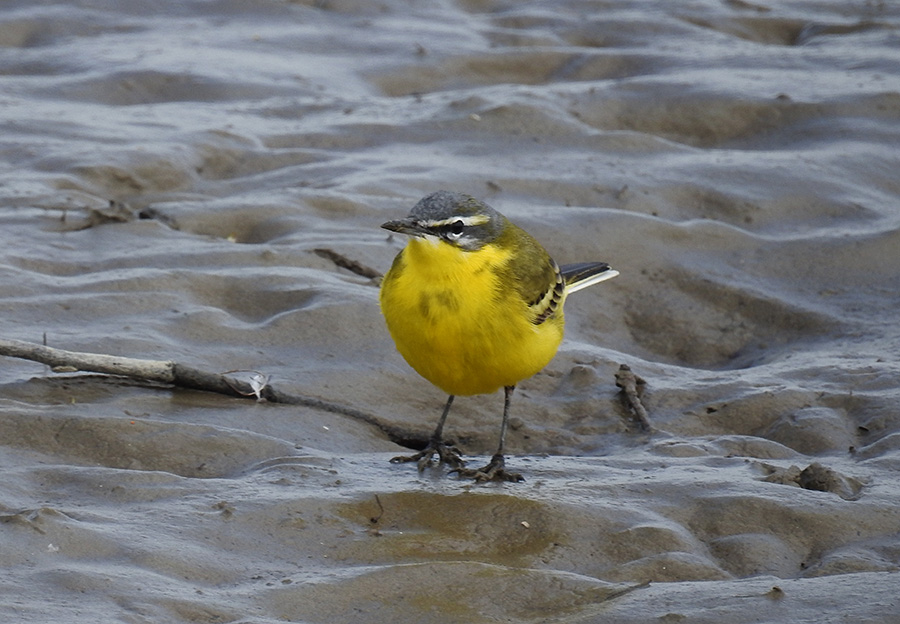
pixel 457 324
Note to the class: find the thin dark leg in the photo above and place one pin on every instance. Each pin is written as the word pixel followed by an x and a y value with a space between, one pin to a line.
pixel 447 454
pixel 496 468
pixel 507 398
pixel 437 436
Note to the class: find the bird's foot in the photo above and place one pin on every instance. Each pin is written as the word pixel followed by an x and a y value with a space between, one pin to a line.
pixel 494 471
pixel 446 455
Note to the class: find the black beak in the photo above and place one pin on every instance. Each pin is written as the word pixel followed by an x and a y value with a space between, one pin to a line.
pixel 405 226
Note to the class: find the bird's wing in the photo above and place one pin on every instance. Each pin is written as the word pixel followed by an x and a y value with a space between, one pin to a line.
pixel 547 305
pixel 532 273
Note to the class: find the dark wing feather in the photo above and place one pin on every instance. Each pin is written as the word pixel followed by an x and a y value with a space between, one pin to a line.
pixel 532 272
pixel 580 271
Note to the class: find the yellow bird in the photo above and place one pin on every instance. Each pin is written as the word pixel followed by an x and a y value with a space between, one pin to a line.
pixel 475 304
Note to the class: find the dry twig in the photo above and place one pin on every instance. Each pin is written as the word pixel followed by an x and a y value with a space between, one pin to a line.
pixel 181 376
pixel 632 387
pixel 344 262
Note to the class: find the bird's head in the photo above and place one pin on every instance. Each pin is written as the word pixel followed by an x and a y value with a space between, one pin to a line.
pixel 453 218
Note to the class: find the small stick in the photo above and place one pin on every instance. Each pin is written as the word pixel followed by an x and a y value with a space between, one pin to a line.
pixel 60 360
pixel 376 519
pixel 346 263
pixel 632 386
pixel 179 375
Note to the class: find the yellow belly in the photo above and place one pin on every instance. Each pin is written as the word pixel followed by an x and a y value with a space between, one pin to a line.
pixel 457 326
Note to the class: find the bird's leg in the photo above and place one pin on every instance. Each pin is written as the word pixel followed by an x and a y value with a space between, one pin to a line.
pixel 446 454
pixel 496 468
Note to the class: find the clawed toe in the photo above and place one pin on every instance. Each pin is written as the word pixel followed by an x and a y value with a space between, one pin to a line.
pixel 449 455
pixel 494 471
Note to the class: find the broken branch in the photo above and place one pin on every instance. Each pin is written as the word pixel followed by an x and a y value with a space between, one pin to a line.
pixel 179 375
pixel 632 386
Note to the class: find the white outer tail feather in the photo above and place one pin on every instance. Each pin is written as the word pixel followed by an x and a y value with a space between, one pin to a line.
pixel 595 279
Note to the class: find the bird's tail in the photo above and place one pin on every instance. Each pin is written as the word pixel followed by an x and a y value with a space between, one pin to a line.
pixel 583 274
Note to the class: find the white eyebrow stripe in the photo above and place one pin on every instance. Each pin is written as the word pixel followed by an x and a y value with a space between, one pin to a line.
pixel 478 219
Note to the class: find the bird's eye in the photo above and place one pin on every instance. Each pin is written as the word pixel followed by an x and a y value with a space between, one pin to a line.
pixel 455 230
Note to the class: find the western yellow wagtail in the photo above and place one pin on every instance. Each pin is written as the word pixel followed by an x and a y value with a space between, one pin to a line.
pixel 474 303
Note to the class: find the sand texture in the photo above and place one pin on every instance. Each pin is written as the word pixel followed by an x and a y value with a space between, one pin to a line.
pixel 184 180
